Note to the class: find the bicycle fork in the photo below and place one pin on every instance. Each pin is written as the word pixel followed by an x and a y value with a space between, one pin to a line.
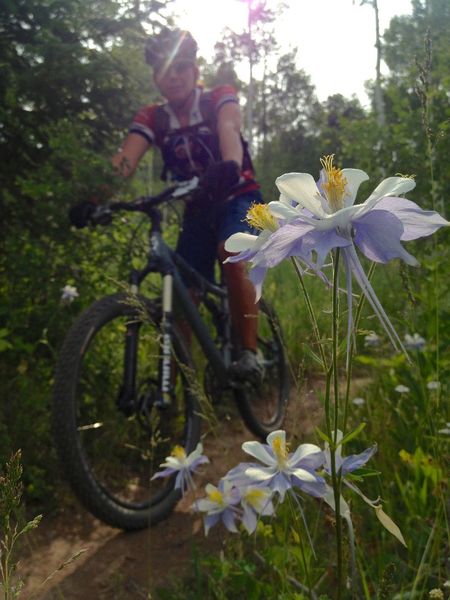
pixel 165 386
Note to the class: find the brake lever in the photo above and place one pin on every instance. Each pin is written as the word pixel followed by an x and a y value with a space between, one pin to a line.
pixel 102 215
pixel 186 187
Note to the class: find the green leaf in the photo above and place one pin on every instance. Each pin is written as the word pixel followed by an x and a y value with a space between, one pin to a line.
pixel 324 437
pixel 364 472
pixel 352 434
pixel 389 524
pixel 312 354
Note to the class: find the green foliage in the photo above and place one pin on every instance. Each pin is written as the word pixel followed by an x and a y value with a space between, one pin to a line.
pixel 10 503
pixel 73 76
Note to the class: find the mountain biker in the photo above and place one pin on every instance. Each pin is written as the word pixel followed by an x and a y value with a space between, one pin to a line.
pixel 198 134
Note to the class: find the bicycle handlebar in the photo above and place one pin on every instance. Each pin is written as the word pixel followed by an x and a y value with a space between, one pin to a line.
pixel 102 215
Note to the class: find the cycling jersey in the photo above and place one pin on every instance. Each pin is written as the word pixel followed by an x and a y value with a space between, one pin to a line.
pixel 187 151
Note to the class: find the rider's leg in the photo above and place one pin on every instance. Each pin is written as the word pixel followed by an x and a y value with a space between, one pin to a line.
pixel 241 294
pixel 243 309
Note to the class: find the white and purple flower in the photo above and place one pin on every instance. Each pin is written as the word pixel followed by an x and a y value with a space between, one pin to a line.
pixel 414 342
pixel 351 463
pixel 220 504
pixel 182 464
pixel 68 294
pixel 345 466
pixel 320 217
pixel 283 470
pixel 372 340
pixel 402 389
pixel 255 501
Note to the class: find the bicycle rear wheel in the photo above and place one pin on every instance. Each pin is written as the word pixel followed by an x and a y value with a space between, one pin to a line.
pixel 108 456
pixel 263 408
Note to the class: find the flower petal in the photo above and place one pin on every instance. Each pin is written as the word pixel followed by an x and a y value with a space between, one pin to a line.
pixel 355 461
pixel 378 234
pixel 304 475
pixel 302 188
pixel 354 179
pixel 210 521
pixel 392 186
pixel 369 292
pixel 257 276
pixel 281 484
pixel 282 210
pixel 259 451
pixel 240 241
pixel 322 242
pixel 228 519
pixel 416 222
pixel 260 474
pixel 285 242
pixel 165 473
pixel 249 519
pixel 316 487
pixel 307 453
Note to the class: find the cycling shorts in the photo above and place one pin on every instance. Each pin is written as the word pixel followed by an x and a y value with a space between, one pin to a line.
pixel 205 227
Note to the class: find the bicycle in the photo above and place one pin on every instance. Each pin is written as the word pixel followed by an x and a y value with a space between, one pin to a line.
pixel 125 387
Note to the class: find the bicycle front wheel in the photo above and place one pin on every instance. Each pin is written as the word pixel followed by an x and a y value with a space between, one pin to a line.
pixel 109 454
pixel 263 407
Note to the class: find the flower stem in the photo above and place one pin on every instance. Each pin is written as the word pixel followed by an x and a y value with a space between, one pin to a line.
pixel 311 313
pixel 336 480
pixel 335 335
pixel 352 350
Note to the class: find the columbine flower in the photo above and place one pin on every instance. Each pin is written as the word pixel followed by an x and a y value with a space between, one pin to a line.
pixel 414 342
pixel 247 245
pixel 445 430
pixel 284 470
pixel 347 465
pixel 402 389
pixel 255 501
pixel 433 385
pixel 371 340
pixel 358 401
pixel 184 465
pixel 323 216
pixel 69 293
pixel 220 504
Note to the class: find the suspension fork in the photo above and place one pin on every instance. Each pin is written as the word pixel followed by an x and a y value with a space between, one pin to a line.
pixel 127 397
pixel 165 387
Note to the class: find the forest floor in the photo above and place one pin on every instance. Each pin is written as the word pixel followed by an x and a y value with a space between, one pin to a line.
pixel 112 564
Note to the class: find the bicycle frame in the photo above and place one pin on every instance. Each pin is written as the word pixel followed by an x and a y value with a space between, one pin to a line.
pixel 165 261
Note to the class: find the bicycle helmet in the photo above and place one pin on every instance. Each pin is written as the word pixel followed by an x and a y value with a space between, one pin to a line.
pixel 170 44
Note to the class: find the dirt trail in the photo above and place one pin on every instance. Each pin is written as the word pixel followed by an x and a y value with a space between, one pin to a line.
pixel 118 565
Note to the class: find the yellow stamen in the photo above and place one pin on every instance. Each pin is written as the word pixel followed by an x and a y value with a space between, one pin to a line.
pixel 405 176
pixel 279 449
pixel 216 496
pixel 254 496
pixel 260 217
pixel 179 452
pixel 334 186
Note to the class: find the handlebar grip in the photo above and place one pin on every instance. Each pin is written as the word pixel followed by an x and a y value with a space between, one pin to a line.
pixel 102 215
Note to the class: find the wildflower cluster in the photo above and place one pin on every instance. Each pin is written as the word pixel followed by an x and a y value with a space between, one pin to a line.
pixel 183 466
pixel 252 490
pixel 311 219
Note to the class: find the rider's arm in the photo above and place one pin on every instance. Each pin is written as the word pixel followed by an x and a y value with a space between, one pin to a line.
pixel 229 123
pixel 128 157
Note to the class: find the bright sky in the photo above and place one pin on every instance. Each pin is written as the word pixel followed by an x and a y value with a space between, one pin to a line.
pixel 335 38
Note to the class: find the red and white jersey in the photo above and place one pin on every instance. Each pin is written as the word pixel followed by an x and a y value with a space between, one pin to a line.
pixel 187 151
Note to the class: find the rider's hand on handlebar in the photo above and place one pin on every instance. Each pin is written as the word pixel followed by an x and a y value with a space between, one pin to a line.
pixel 220 177
pixel 87 212
pixel 80 214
